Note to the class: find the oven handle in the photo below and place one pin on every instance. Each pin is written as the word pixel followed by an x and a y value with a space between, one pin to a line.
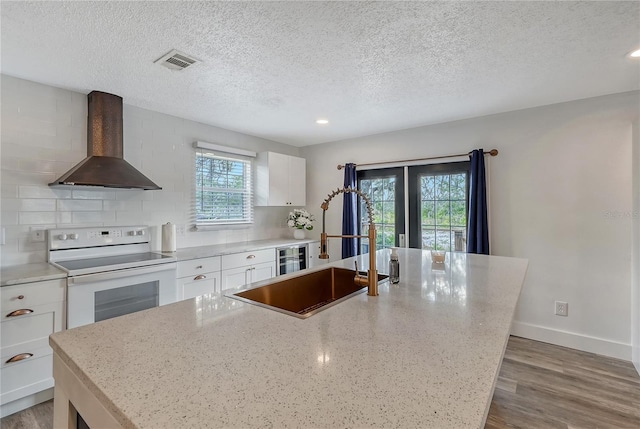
pixel 111 275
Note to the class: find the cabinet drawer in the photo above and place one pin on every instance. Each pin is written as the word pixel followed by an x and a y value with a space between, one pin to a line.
pixel 244 259
pixel 26 377
pixel 195 267
pixel 191 287
pixel 31 294
pixel 21 329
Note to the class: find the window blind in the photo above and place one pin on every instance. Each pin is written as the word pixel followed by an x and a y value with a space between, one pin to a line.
pixel 223 189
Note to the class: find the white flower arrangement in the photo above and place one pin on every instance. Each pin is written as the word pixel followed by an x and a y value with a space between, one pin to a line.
pixel 300 219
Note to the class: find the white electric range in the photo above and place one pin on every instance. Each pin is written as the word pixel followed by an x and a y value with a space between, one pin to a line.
pixel 111 272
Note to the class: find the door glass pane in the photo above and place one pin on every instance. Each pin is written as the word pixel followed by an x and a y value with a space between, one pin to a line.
pixel 427 184
pixel 428 239
pixel 458 214
pixel 124 300
pixel 381 192
pixel 442 187
pixel 458 187
pixel 292 259
pixel 443 211
pixel 428 214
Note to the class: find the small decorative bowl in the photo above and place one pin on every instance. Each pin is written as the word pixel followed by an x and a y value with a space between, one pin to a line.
pixel 437 257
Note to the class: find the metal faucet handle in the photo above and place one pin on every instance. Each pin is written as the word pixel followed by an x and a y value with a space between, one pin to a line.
pixel 356 262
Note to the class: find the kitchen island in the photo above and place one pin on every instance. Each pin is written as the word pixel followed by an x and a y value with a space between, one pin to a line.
pixel 424 353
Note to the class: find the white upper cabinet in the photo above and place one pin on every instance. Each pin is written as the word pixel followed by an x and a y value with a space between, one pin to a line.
pixel 280 180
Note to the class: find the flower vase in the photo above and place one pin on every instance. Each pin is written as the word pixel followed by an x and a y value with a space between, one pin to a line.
pixel 298 234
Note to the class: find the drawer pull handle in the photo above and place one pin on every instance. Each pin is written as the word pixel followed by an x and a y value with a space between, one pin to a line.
pixel 200 277
pixel 199 267
pixel 20 312
pixel 20 296
pixel 18 358
pixel 251 257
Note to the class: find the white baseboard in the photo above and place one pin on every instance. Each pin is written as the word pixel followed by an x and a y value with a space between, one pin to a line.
pixel 572 340
pixel 25 402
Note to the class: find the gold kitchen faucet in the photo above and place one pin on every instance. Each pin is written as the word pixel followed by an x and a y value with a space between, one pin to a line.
pixel 371 279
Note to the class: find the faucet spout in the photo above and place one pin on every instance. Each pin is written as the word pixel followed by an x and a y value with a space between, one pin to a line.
pixel 371 280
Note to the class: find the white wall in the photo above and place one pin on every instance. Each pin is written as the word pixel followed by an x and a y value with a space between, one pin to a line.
pixel 635 262
pixel 560 197
pixel 44 134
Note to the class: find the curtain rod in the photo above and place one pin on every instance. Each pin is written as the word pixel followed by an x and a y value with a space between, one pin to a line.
pixel 492 152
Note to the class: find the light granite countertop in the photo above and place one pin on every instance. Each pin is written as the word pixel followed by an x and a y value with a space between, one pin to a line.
pixel 189 253
pixel 425 353
pixel 28 273
pixel 36 272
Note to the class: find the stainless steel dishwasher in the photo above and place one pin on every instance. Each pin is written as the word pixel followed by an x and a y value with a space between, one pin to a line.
pixel 292 258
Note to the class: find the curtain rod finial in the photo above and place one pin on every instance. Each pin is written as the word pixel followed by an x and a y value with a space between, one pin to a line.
pixel 340 167
pixel 493 152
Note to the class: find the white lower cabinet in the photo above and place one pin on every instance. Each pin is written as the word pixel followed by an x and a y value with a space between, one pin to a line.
pixel 190 287
pixel 198 277
pixel 314 255
pixel 30 313
pixel 242 276
pixel 240 269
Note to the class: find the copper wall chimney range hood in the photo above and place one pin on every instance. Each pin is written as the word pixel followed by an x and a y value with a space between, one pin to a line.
pixel 104 165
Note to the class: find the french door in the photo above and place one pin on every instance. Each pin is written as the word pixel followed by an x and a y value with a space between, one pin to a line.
pixel 385 189
pixel 432 216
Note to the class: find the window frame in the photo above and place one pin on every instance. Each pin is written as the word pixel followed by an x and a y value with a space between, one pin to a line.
pixel 247 190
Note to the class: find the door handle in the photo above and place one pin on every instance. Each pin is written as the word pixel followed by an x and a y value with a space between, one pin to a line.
pixel 18 358
pixel 20 312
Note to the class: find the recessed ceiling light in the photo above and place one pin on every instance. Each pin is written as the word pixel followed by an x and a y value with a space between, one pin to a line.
pixel 635 54
pixel 322 121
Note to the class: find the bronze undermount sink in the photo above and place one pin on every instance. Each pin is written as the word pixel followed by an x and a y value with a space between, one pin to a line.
pixel 305 295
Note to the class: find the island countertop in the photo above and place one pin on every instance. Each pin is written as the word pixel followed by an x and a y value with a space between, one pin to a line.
pixel 424 353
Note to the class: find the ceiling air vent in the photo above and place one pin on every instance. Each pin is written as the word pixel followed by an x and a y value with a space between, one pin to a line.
pixel 176 60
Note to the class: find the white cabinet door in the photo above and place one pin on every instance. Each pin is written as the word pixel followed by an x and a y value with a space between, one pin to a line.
pixel 297 181
pixel 263 271
pixel 235 277
pixel 314 255
pixel 242 276
pixel 280 180
pixel 190 287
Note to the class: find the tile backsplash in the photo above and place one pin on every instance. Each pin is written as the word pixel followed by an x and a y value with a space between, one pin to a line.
pixel 44 135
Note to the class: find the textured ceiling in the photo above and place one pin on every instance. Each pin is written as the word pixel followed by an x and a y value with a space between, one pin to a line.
pixel 271 69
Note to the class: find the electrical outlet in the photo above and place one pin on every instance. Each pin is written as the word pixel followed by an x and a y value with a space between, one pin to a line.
pixel 37 234
pixel 562 308
pixel 180 230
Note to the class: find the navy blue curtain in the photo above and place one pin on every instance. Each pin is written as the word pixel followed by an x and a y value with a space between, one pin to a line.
pixel 350 213
pixel 478 233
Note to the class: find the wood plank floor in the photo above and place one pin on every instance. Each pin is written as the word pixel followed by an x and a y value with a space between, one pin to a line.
pixel 546 386
pixel 540 386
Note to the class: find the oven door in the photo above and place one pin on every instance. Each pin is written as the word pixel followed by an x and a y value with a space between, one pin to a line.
pixel 95 297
